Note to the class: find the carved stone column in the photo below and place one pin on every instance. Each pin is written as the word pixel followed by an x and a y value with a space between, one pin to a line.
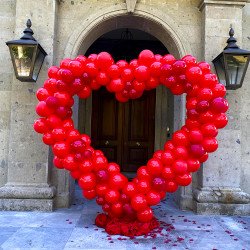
pixel 28 177
pixel 219 179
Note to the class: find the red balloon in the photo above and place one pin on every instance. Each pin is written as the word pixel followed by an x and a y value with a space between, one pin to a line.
pixel 42 94
pixel 158 184
pixel 50 85
pixel 89 194
pixel 168 173
pixel 86 166
pixel 153 198
pixel 58 162
pixel 60 149
pixel 122 64
pixel 104 60
pixel 193 165
pixel 127 75
pixel 129 189
pixel 210 144
pixel 154 167
pixel 65 75
pixel 197 150
pixel 116 85
pixel 180 167
pixel 220 120
pixel 168 59
pixel 205 67
pixel 53 121
pixel 179 67
pixel 219 90
pixel 114 71
pixel 91 70
pixel 76 68
pixel 43 110
pixel 40 126
pixel 180 138
pixel 167 158
pixel 194 74
pixel 113 168
pixel 100 162
pixel 52 71
pixel 101 189
pixel 183 180
pixel 155 69
pixel 141 73
pixel 102 79
pixel 112 196
pixel 219 105
pixel 87 181
pixel 143 186
pixel 142 173
pixel 195 136
pixel 48 139
pixel 209 80
pixel 139 202
pixel 69 163
pixel 138 86
pixel 117 209
pixel 146 57
pixel 189 60
pixel 171 187
pixel 85 92
pixel 145 215
pixel 205 94
pixel 209 130
pixel 117 181
pixel 58 134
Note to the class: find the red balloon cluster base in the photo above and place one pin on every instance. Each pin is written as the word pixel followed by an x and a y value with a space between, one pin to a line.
pixel 125 226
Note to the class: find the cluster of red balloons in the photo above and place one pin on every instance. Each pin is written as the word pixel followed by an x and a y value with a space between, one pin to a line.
pixel 168 168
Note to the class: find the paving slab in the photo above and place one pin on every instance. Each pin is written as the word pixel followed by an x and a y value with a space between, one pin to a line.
pixel 74 228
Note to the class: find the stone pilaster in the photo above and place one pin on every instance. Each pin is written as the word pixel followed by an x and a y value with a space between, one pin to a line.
pixel 28 185
pixel 219 181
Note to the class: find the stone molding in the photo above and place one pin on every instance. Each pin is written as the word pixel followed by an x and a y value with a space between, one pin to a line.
pixel 238 3
pixel 221 195
pixel 27 192
pixel 131 5
pixel 27 198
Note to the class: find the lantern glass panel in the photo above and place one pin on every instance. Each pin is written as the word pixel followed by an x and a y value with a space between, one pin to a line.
pixel 235 67
pixel 220 69
pixel 38 63
pixel 22 58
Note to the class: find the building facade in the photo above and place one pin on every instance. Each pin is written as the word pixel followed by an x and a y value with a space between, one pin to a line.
pixel 65 28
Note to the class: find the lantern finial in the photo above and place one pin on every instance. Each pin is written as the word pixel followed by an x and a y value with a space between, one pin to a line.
pixel 28 32
pixel 231 41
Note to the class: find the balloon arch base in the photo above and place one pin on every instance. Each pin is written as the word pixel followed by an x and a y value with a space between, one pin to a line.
pixel 126 226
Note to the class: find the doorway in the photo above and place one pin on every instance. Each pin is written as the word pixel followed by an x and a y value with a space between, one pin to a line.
pixel 125 132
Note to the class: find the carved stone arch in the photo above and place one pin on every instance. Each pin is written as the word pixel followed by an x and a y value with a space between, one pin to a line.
pixel 147 19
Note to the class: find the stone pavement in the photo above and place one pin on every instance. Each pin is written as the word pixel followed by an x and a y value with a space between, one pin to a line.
pixel 73 229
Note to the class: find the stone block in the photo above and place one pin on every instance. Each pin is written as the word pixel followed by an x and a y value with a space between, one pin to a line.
pixel 220 208
pixel 27 204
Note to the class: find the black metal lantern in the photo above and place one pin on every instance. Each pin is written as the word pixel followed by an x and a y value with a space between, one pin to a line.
pixel 231 65
pixel 27 56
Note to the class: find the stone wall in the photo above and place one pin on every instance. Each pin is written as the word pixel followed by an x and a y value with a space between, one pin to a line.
pixel 66 28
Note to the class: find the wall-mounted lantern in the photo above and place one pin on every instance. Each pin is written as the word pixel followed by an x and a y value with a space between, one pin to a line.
pixel 231 64
pixel 27 56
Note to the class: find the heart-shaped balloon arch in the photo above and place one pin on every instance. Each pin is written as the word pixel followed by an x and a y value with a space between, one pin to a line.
pixel 126 204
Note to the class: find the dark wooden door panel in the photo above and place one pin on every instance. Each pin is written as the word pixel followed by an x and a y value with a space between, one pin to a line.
pixel 124 131
pixel 139 131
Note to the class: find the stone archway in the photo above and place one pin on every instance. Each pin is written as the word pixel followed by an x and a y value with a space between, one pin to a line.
pixel 152 21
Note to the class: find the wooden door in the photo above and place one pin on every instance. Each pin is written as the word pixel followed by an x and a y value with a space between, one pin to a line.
pixel 124 131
